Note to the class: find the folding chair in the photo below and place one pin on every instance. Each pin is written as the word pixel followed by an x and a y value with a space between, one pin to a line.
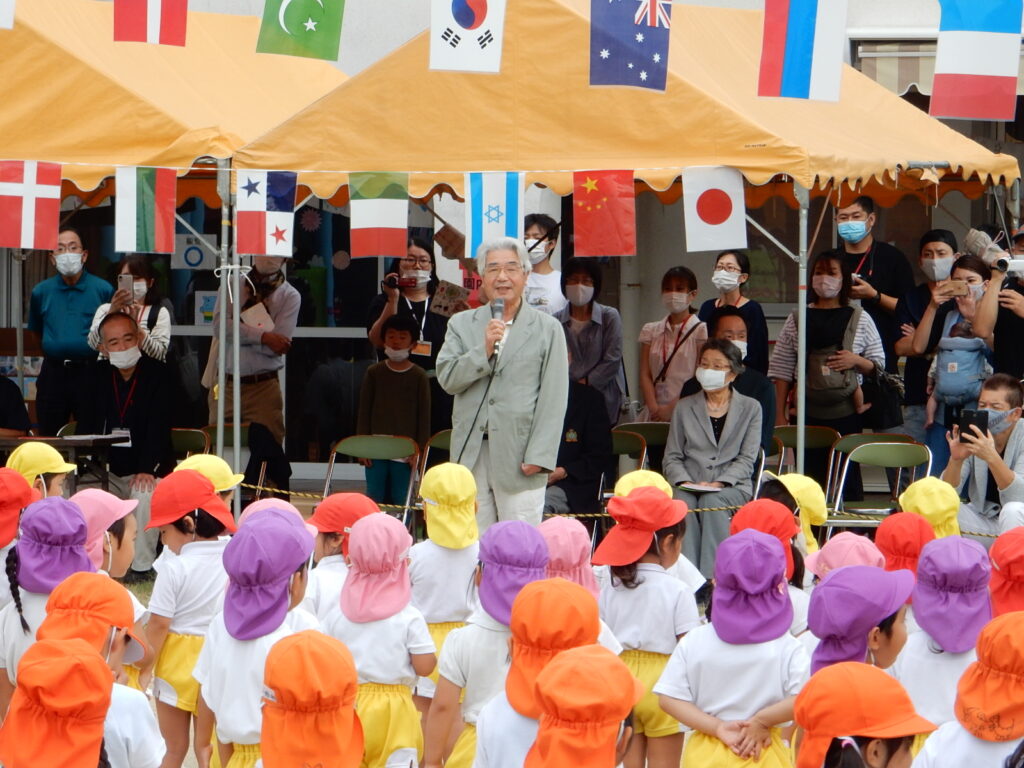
pixel 210 430
pixel 759 466
pixel 840 453
pixel 778 452
pixel 185 442
pixel 624 443
pixel 442 441
pixel 68 429
pixel 899 456
pixel 814 438
pixel 654 433
pixel 377 448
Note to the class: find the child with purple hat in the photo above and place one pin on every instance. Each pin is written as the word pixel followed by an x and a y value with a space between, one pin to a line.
pixel 858 613
pixel 51 548
pixel 475 658
pixel 388 639
pixel 733 681
pixel 266 565
pixel 952 604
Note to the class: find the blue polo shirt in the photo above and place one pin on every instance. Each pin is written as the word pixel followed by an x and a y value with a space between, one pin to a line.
pixel 63 314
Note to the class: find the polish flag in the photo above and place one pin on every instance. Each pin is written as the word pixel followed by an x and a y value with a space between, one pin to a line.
pixel 714 208
pixel 976 60
pixel 150 21
pixel 29 204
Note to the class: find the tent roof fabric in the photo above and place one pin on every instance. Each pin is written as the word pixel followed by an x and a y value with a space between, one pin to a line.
pixel 540 115
pixel 70 94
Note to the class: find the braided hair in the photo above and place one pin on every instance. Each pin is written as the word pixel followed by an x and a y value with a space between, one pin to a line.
pixel 104 761
pixel 12 579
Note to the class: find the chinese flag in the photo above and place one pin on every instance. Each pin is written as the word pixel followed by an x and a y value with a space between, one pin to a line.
pixel 604 213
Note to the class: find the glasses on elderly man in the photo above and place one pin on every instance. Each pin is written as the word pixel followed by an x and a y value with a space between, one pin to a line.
pixel 511 268
pixel 73 248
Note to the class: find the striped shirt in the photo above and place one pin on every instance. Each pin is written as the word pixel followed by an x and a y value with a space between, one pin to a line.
pixel 866 343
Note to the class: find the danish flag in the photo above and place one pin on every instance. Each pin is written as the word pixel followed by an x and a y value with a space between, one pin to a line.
pixel 653 13
pixel 29 204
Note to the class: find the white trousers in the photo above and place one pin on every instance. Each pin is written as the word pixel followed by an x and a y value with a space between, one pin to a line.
pixel 495 505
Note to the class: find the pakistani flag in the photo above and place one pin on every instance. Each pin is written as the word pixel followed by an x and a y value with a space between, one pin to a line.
pixel 379 206
pixel 144 210
pixel 310 28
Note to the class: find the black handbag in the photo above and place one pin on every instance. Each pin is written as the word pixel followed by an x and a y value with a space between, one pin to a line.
pixel 885 392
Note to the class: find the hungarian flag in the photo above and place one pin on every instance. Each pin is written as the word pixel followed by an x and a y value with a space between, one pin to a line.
pixel 604 213
pixel 144 210
pixel 29 204
pixel 714 208
pixel 150 21
pixel 265 203
pixel 310 28
pixel 379 206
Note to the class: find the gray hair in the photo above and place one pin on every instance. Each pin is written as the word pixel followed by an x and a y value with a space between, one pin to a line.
pixel 727 348
pixel 502 244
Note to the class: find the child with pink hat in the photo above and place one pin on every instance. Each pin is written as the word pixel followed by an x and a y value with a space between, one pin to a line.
pixel 475 658
pixel 388 639
pixel 733 681
pixel 266 562
pixel 844 549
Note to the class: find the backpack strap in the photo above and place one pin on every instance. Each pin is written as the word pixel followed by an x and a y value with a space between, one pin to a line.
pixel 152 316
pixel 851 329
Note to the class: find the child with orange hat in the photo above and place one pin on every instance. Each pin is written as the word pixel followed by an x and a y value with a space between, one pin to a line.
pixel 475 659
pixel 856 716
pixel 333 520
pixel 187 594
pixel 777 520
pixel 57 713
pixel 584 695
pixel 900 538
pixel 442 566
pixel 548 617
pixel 388 639
pixel 309 700
pixel 1007 585
pixel 647 609
pixel 989 705
pixel 15 495
pixel 95 608
pixel 266 563
pixel 733 681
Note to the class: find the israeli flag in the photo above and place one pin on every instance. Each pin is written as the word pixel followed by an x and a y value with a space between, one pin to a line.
pixel 493 208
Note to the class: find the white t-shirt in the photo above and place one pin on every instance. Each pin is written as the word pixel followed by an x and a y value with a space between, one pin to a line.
pixel 801 605
pixel 381 649
pixel 231 673
pixel 189 589
pixel 323 591
pixel 130 732
pixel 14 641
pixel 952 746
pixel 651 616
pixel 475 658
pixel 733 682
pixel 682 569
pixel 930 676
pixel 544 292
pixel 5 584
pixel 503 736
pixel 441 580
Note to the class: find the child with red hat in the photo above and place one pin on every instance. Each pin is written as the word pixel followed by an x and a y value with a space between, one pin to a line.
pixel 187 594
pixel 15 495
pixel 647 609
pixel 733 681
pixel 1007 586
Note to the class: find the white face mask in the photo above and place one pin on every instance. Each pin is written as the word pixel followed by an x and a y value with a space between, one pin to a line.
pixel 396 355
pixel 827 286
pixel 422 276
pixel 537 254
pixel 710 379
pixel 124 358
pixel 977 291
pixel 725 281
pixel 741 346
pixel 579 295
pixel 938 269
pixel 139 290
pixel 69 264
pixel 675 302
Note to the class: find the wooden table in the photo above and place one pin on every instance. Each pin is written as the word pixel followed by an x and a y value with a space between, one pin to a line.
pixel 91 450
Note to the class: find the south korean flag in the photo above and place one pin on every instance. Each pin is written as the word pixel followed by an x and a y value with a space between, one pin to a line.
pixel 466 35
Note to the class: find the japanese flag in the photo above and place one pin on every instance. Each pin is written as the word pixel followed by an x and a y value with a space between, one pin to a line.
pixel 714 208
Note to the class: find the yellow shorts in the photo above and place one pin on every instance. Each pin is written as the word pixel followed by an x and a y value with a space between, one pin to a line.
pixel 464 752
pixel 391 726
pixel 244 756
pixel 702 751
pixel 439 633
pixel 173 683
pixel 132 679
pixel 649 719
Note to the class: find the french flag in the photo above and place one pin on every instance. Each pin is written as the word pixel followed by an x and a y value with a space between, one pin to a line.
pixel 976 60
pixel 802 49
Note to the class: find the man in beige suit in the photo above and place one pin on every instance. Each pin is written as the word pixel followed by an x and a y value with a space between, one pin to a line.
pixel 510 379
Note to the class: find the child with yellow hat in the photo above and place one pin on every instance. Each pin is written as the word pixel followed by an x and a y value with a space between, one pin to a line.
pixel 42 467
pixel 442 566
pixel 803 496
pixel 936 501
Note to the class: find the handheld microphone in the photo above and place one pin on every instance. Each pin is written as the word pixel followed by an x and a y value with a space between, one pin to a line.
pixel 497 313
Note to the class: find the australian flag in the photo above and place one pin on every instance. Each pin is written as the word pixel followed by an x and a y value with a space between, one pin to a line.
pixel 629 42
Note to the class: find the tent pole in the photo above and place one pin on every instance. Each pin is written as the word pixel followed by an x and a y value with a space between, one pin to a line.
pixel 224 191
pixel 18 314
pixel 803 197
pixel 236 380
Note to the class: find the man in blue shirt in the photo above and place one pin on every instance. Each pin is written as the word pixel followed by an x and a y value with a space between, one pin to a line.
pixel 61 310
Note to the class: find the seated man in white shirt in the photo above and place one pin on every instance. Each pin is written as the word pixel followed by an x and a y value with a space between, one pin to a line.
pixel 544 285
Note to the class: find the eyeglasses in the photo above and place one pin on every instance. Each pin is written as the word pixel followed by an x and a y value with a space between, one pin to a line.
pixel 410 262
pixel 729 268
pixel 69 249
pixel 512 268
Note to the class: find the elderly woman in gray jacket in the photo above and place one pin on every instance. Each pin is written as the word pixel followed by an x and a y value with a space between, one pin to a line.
pixel 990 466
pixel 713 440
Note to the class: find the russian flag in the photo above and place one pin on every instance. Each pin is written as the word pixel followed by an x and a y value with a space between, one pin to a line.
pixel 976 60
pixel 802 49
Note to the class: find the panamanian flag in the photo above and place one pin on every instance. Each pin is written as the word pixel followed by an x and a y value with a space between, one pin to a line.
pixel 265 203
pixel 494 208
pixel 629 42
